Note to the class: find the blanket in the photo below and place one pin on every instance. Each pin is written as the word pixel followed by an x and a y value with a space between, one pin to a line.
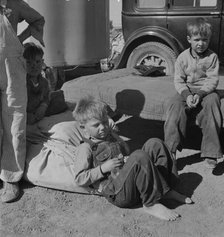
pixel 51 147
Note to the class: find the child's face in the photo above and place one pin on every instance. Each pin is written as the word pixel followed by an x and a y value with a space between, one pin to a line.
pixel 97 128
pixel 34 65
pixel 199 43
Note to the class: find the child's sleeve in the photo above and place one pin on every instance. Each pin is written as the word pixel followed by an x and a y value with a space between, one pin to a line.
pixel 46 92
pixel 85 174
pixel 180 78
pixel 34 19
pixel 212 77
pixel 44 100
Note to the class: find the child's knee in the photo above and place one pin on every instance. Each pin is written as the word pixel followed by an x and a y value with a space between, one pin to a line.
pixel 175 104
pixel 151 143
pixel 154 146
pixel 139 156
pixel 175 110
pixel 211 100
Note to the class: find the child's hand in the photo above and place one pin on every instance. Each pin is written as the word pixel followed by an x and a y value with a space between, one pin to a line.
pixel 196 99
pixel 190 101
pixel 40 112
pixel 109 165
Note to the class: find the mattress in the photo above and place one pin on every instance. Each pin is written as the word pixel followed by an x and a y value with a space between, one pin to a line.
pixel 127 92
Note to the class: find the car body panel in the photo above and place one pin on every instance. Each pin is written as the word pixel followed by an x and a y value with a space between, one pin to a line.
pixel 167 24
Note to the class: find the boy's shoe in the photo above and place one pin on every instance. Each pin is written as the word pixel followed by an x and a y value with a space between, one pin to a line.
pixel 211 163
pixel 10 192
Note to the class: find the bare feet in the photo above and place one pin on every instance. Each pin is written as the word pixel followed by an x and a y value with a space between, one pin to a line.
pixel 160 211
pixel 172 194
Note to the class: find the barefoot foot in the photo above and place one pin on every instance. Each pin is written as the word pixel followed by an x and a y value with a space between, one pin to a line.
pixel 160 211
pixel 172 194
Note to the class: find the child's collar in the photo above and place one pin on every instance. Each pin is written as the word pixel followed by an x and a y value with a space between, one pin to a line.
pixel 96 140
pixel 195 55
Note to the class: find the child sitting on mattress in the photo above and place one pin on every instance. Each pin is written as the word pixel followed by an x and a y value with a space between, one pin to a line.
pixel 37 86
pixel 196 79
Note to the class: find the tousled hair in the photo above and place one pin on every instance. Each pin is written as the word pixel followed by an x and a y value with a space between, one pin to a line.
pixel 88 108
pixel 31 50
pixel 200 26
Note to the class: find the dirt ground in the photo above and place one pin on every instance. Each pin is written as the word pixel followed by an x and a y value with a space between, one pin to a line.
pixel 44 212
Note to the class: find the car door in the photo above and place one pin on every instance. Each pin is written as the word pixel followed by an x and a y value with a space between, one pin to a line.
pixel 182 11
pixel 140 14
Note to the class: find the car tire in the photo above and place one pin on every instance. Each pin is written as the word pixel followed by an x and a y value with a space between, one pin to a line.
pixel 155 54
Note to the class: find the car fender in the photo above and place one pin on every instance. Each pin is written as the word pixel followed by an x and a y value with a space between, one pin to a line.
pixel 143 35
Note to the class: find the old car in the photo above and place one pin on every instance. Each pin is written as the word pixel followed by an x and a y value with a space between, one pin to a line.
pixel 155 30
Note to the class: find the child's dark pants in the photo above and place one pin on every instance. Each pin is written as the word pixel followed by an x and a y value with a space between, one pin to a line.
pixel 208 117
pixel 145 177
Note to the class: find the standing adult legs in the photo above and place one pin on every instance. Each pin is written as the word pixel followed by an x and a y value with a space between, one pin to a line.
pixel 13 114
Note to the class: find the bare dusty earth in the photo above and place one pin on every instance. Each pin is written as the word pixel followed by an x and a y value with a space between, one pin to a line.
pixel 45 212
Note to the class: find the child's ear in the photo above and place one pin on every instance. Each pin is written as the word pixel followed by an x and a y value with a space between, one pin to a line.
pixel 188 39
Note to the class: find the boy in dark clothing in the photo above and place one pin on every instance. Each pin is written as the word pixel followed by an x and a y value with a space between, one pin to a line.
pixel 195 79
pixel 37 86
pixel 103 162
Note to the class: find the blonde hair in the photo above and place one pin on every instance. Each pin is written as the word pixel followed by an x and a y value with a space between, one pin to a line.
pixel 200 26
pixel 88 108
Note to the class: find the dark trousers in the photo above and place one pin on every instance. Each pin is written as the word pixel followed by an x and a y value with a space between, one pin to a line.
pixel 208 116
pixel 145 177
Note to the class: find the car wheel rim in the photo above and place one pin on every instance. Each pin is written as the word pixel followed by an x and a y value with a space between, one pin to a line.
pixel 153 60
